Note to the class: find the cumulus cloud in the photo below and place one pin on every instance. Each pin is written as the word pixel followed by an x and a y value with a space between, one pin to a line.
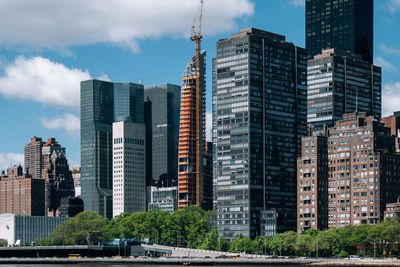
pixel 62 23
pixel 297 3
pixel 389 50
pixel 44 81
pixel 379 61
pixel 390 98
pixel 392 5
pixel 10 159
pixel 67 122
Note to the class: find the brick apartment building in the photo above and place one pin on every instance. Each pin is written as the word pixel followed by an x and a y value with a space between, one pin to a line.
pixel 363 174
pixel 21 194
pixel 312 183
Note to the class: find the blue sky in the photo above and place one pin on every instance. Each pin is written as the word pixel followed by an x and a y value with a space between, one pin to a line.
pixel 47 47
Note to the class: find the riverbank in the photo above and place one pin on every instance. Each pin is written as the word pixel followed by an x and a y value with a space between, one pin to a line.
pixel 206 262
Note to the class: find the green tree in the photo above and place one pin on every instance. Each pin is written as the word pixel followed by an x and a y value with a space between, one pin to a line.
pixel 223 245
pixel 211 241
pixel 306 243
pixel 3 243
pixel 84 227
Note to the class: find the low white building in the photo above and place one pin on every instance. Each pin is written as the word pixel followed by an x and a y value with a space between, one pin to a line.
pixel 27 229
pixel 129 167
pixel 164 198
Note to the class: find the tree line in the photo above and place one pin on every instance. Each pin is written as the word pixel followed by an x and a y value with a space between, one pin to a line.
pixel 190 228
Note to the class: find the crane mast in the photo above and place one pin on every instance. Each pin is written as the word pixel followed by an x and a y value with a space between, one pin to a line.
pixel 196 37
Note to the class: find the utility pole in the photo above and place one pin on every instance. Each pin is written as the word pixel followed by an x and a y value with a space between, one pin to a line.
pixel 374 249
pixel 317 248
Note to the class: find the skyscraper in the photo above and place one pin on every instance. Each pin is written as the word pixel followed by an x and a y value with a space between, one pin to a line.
pixel 102 103
pixel 58 178
pixel 260 114
pixel 339 82
pixel 345 25
pixel 162 136
pixel 33 158
pixel 190 157
pixel 48 161
pixel 129 167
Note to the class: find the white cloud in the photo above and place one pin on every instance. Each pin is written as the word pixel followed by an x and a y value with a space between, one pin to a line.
pixel 389 50
pixel 10 159
pixel 104 77
pixel 208 126
pixel 62 23
pixel 392 5
pixel 44 81
pixel 67 122
pixel 379 61
pixel 297 3
pixel 390 98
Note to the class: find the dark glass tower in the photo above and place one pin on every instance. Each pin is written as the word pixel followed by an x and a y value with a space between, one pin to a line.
pixel 260 113
pixel 340 82
pixel 342 24
pixel 103 103
pixel 162 120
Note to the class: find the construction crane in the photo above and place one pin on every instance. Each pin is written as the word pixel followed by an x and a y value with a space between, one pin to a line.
pixel 196 37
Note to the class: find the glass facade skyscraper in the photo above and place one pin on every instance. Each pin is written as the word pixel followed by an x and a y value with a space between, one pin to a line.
pixel 162 136
pixel 342 24
pixel 339 82
pixel 260 113
pixel 102 103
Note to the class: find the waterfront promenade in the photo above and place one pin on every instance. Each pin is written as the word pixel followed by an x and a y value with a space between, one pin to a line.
pixel 282 261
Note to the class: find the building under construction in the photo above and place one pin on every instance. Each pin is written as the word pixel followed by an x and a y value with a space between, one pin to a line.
pixel 192 183
pixel 192 134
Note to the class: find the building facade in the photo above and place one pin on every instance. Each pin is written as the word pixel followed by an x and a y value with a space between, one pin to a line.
pixel 163 198
pixel 129 167
pixel 190 157
pixel 162 135
pixel 346 25
pixel 21 194
pixel 339 82
pixel 57 176
pixel 312 184
pixel 260 92
pixel 393 122
pixel 102 103
pixel 363 174
pixel 33 158
pixel 27 229
pixel 70 206
pixel 392 210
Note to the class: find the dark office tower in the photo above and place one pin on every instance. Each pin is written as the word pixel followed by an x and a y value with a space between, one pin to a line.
pixel 207 203
pixel 339 82
pixel 163 138
pixel 33 158
pixel 342 24
pixel 102 103
pixel 128 102
pixel 260 118
pixel 97 106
